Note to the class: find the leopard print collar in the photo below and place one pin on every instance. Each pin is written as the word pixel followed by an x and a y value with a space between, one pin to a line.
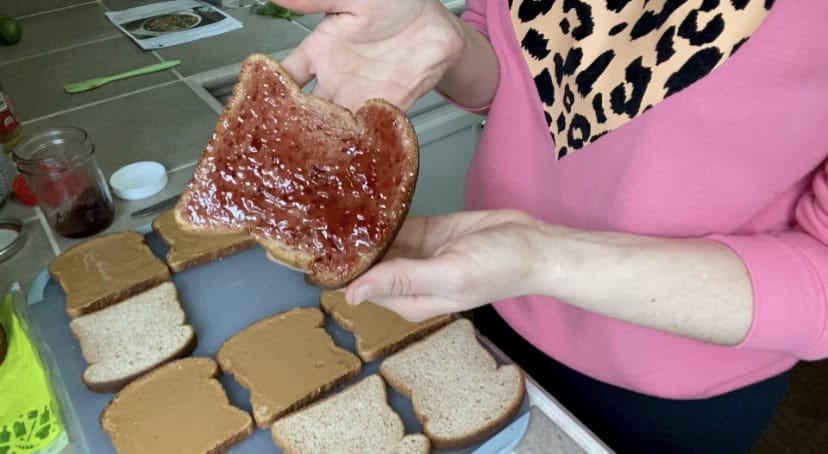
pixel 597 64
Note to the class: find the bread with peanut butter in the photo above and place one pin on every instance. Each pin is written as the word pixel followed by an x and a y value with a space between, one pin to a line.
pixel 356 420
pixel 105 270
pixel 286 361
pixel 323 189
pixel 188 249
pixel 132 337
pixel 378 331
pixel 458 392
pixel 178 408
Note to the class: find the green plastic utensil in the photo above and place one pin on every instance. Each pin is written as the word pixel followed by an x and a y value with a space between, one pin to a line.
pixel 85 85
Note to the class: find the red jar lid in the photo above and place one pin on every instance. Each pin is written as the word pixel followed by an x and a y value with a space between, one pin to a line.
pixel 23 191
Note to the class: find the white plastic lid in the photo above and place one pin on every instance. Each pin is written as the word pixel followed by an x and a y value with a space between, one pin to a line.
pixel 12 237
pixel 138 180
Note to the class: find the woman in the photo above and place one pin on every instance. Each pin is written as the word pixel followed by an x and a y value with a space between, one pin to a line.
pixel 647 205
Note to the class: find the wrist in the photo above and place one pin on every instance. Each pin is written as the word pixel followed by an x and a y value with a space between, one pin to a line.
pixel 472 75
pixel 546 266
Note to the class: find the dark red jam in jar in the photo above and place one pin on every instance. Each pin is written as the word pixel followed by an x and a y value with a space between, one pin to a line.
pixel 59 165
pixel 298 172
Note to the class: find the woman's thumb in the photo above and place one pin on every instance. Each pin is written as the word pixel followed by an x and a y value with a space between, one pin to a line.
pixel 397 277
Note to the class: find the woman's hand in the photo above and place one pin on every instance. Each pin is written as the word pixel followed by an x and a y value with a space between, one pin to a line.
pixel 452 263
pixel 693 287
pixel 363 49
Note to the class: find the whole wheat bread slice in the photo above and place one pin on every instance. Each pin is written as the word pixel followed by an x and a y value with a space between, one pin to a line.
pixel 130 338
pixel 322 189
pixel 356 420
pixel 178 408
pixel 286 361
pixel 456 387
pixel 104 270
pixel 378 331
pixel 188 249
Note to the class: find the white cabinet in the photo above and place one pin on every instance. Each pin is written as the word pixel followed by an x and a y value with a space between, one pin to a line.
pixel 448 137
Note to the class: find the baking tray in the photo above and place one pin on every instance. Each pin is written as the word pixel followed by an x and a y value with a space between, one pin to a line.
pixel 220 299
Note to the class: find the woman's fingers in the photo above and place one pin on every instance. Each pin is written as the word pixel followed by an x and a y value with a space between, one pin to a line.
pixel 421 237
pixel 298 66
pixel 314 6
pixel 402 277
pixel 418 308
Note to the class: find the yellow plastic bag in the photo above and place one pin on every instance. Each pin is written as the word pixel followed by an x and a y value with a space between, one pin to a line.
pixel 29 421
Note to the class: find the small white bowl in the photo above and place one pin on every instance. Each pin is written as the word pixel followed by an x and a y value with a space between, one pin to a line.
pixel 138 180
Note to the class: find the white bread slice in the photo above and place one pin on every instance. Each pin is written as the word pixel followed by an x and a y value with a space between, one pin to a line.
pixel 322 189
pixel 106 269
pixel 178 408
pixel 378 331
pixel 459 393
pixel 356 420
pixel 286 361
pixel 132 337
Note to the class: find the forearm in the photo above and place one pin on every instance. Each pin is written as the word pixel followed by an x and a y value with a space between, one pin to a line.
pixel 473 77
pixel 691 287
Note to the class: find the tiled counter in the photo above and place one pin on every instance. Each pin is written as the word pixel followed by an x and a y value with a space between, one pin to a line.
pixel 156 117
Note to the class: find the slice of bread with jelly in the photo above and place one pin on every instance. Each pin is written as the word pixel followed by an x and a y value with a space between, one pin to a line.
pixel 104 270
pixel 354 421
pixel 130 338
pixel 188 249
pixel 178 408
pixel 323 189
pixel 457 389
pixel 286 361
pixel 378 331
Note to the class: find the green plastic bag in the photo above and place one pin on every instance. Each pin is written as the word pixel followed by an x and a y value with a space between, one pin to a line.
pixel 29 417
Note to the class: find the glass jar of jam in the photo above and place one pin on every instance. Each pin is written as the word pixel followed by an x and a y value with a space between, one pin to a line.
pixel 59 165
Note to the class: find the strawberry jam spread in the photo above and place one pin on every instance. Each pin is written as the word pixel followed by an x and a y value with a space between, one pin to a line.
pixel 292 169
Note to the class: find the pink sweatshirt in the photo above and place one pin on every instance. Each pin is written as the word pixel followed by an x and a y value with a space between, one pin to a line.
pixel 737 157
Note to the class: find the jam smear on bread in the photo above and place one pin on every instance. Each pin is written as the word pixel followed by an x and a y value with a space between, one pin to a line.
pixel 303 173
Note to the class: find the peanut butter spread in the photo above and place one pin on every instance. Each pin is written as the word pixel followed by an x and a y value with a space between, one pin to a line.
pixel 105 270
pixel 193 246
pixel 378 331
pixel 178 408
pixel 285 361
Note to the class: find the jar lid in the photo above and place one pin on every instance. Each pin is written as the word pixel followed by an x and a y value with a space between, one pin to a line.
pixel 12 238
pixel 138 180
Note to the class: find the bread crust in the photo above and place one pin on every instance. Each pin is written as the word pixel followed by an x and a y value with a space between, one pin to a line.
pixel 117 385
pixel 226 444
pixel 81 333
pixel 289 448
pixel 77 308
pixel 279 251
pixel 178 262
pixel 483 432
pixel 178 266
pixel 264 423
pixel 239 342
pixel 422 330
